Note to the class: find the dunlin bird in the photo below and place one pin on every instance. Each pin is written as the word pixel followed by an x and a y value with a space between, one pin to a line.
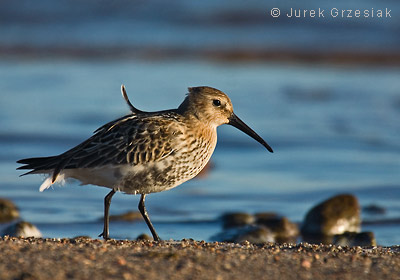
pixel 146 152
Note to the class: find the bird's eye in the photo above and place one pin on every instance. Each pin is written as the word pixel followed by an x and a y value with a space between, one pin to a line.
pixel 216 102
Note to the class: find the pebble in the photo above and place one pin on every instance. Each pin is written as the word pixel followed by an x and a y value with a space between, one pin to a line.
pixel 144 236
pixel 22 229
pixel 121 261
pixel 365 239
pixel 255 235
pixel 232 220
pixel 333 216
pixel 8 211
pixel 251 234
pixel 306 264
pixel 283 229
pixel 258 228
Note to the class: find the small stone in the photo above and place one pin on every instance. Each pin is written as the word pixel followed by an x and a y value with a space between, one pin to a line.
pixel 8 211
pixel 255 235
pixel 351 239
pixel 227 266
pixel 336 215
pixel 284 230
pixel 317 238
pixel 231 220
pixel 265 216
pixel 22 229
pixel 144 236
pixel 306 264
pixel 82 237
pixel 251 234
pixel 121 261
pixel 127 276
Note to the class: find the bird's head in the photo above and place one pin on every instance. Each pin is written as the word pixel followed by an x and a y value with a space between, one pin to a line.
pixel 214 108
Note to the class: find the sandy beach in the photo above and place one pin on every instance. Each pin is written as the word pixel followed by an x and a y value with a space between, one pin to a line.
pixel 83 258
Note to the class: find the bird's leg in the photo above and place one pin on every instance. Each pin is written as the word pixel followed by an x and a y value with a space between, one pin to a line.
pixel 107 202
pixel 143 211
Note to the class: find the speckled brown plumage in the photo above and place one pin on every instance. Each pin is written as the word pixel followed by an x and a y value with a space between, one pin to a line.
pixel 146 152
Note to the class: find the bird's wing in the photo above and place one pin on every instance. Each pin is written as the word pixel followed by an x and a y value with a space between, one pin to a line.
pixel 132 139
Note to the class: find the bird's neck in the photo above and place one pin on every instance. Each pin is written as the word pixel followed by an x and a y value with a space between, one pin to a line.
pixel 189 109
pixel 203 130
pixel 184 107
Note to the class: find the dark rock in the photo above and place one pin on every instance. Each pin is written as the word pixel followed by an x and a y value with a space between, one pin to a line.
pixel 81 237
pixel 336 215
pixel 232 220
pixel 22 229
pixel 284 230
pixel 8 211
pixel 130 216
pixel 317 238
pixel 258 228
pixel 252 233
pixel 373 209
pixel 255 235
pixel 265 216
pixel 366 239
pixel 144 236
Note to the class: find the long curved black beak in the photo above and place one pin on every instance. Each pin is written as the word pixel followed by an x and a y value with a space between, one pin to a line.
pixel 239 124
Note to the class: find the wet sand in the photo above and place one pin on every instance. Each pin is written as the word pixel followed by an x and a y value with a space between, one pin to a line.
pixel 82 258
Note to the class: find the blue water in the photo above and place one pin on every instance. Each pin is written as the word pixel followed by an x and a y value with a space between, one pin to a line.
pixel 334 128
pixel 346 141
pixel 194 25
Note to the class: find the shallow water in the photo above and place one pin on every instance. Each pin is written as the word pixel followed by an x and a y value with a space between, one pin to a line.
pixel 333 129
pixel 193 25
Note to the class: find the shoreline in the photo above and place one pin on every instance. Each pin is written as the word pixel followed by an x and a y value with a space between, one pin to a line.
pixel 257 54
pixel 85 258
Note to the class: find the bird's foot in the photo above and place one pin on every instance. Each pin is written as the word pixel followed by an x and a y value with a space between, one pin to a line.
pixel 104 235
pixel 156 238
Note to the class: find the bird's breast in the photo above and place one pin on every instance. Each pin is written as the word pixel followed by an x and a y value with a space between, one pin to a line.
pixel 190 154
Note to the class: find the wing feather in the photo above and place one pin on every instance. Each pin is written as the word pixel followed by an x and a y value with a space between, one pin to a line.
pixel 133 139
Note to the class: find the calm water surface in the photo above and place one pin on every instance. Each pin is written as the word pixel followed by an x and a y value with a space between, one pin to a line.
pixel 333 129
